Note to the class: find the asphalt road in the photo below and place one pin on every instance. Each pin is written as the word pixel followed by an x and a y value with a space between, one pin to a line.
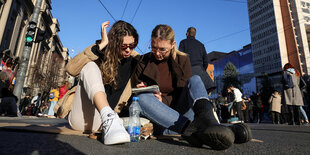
pixel 268 139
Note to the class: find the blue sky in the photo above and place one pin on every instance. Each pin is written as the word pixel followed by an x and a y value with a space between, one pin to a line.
pixel 222 25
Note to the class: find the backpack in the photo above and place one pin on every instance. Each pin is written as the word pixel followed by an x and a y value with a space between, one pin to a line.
pixel 288 82
pixel 52 95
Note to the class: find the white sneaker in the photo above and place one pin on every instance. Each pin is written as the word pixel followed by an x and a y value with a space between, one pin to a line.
pixel 113 130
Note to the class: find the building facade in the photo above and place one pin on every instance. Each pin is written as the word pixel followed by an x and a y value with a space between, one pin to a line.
pixel 48 57
pixel 278 36
pixel 243 61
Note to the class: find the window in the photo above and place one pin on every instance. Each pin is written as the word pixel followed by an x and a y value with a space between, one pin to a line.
pixel 305 10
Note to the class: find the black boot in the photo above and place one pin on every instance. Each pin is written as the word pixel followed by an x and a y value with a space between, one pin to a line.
pixel 242 132
pixel 205 129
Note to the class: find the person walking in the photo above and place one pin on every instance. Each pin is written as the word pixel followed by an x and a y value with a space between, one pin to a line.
pixel 292 94
pixel 198 57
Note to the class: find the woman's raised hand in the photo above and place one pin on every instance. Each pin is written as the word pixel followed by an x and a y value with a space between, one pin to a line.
pixel 104 35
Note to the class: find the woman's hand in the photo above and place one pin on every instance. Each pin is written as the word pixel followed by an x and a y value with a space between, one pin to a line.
pixel 104 35
pixel 158 96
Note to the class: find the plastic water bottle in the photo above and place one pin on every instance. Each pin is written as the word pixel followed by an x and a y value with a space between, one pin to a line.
pixel 134 120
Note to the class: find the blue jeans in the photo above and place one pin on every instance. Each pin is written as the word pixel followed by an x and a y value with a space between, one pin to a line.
pixel 167 118
pixel 304 115
pixel 51 109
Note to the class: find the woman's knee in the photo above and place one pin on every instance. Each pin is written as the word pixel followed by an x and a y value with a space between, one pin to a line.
pixel 145 97
pixel 90 69
pixel 195 78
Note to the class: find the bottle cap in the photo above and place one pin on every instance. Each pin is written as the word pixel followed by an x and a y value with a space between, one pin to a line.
pixel 135 98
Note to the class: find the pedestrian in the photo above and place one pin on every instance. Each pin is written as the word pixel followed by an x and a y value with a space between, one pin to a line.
pixel 43 109
pixel 63 89
pixel 3 91
pixel 24 103
pixel 291 92
pixel 250 106
pixel 105 69
pixel 5 55
pixel 11 74
pixel 8 99
pixel 182 105
pixel 198 57
pixel 257 108
pixel 237 102
pixel 305 95
pixel 53 99
pixel 220 101
pixel 246 110
pixel 275 107
pixel 36 101
pixel 305 119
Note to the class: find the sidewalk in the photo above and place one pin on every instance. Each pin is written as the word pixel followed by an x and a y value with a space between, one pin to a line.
pixel 39 124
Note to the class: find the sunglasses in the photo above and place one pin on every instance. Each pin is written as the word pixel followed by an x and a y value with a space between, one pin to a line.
pixel 125 46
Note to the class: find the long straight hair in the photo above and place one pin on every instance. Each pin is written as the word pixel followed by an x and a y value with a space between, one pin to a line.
pixel 165 32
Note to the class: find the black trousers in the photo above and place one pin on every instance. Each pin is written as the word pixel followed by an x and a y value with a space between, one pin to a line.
pixel 294 114
pixel 275 116
pixel 258 114
pixel 246 115
pixel 237 107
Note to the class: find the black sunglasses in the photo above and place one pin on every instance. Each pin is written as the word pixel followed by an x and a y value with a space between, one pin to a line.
pixel 125 46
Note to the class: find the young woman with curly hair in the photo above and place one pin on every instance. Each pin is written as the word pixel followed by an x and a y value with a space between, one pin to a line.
pixel 104 69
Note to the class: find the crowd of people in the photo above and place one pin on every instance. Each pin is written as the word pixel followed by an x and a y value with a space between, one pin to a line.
pixel 43 105
pixel 288 105
pixel 39 105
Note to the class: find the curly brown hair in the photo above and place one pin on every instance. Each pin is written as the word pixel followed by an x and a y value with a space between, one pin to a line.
pixel 109 65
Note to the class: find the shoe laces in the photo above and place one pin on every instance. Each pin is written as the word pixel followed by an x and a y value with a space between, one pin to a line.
pixel 106 124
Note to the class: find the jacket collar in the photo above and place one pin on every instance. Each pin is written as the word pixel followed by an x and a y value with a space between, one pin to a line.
pixel 151 69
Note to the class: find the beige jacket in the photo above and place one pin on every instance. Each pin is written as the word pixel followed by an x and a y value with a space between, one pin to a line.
pixel 76 64
pixel 275 102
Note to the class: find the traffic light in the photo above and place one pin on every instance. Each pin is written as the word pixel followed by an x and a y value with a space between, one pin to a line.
pixel 40 35
pixel 31 29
